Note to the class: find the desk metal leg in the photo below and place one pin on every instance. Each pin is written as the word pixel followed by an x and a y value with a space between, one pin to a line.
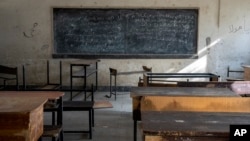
pixel 135 130
pixel 85 83
pixel 71 87
pixel 90 124
pixel 96 76
pixel 111 87
pixel 60 117
pixel 115 87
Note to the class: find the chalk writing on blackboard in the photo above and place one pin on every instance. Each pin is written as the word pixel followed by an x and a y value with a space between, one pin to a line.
pixel 125 32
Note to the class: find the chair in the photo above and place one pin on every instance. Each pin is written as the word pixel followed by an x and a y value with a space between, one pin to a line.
pixel 48 86
pixel 8 74
pixel 82 106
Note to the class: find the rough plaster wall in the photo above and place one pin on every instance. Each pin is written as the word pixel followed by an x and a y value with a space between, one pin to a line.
pixel 231 45
pixel 26 37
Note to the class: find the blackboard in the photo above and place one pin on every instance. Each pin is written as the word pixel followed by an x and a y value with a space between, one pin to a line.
pixel 129 33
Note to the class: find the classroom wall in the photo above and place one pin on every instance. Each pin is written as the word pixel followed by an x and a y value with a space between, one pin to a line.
pixel 223 39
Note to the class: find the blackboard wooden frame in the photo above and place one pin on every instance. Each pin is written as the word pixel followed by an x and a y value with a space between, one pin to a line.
pixel 61 49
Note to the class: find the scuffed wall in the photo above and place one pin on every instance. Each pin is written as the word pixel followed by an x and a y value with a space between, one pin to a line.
pixel 26 37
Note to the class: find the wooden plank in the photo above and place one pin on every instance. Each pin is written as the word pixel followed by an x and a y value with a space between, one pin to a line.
pixel 173 84
pixel 149 137
pixel 180 91
pixel 172 126
pixel 86 62
pixel 212 84
pixel 19 105
pixel 153 138
pixel 36 123
pixel 246 72
pixel 193 125
pixel 234 79
pixel 145 80
pixel 195 104
pixel 139 92
pixel 145 69
pixel 239 87
pixel 102 104
pixel 51 95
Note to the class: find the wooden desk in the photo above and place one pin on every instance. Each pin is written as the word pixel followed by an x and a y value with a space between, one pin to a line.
pixel 192 118
pixel 139 92
pixel 198 126
pixel 21 114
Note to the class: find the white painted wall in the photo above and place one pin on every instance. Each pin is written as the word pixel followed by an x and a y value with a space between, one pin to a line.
pixel 26 36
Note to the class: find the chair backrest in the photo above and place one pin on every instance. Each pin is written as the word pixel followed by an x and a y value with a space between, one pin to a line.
pixel 8 70
pixel 13 71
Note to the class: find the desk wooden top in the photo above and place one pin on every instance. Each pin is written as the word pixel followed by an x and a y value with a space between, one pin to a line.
pixel 180 91
pixel 19 105
pixel 84 62
pixel 191 123
pixel 51 95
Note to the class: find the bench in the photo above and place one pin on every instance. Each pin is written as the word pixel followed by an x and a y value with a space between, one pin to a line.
pixel 161 79
pixel 192 118
pixel 9 74
pixel 114 73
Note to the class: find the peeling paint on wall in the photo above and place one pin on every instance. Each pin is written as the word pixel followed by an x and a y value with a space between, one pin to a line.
pixel 31 33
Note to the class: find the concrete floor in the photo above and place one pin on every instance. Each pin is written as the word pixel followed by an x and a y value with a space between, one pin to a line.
pixel 112 124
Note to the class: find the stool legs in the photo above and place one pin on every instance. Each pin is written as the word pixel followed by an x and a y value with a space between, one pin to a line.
pixel 115 87
pixel 90 124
